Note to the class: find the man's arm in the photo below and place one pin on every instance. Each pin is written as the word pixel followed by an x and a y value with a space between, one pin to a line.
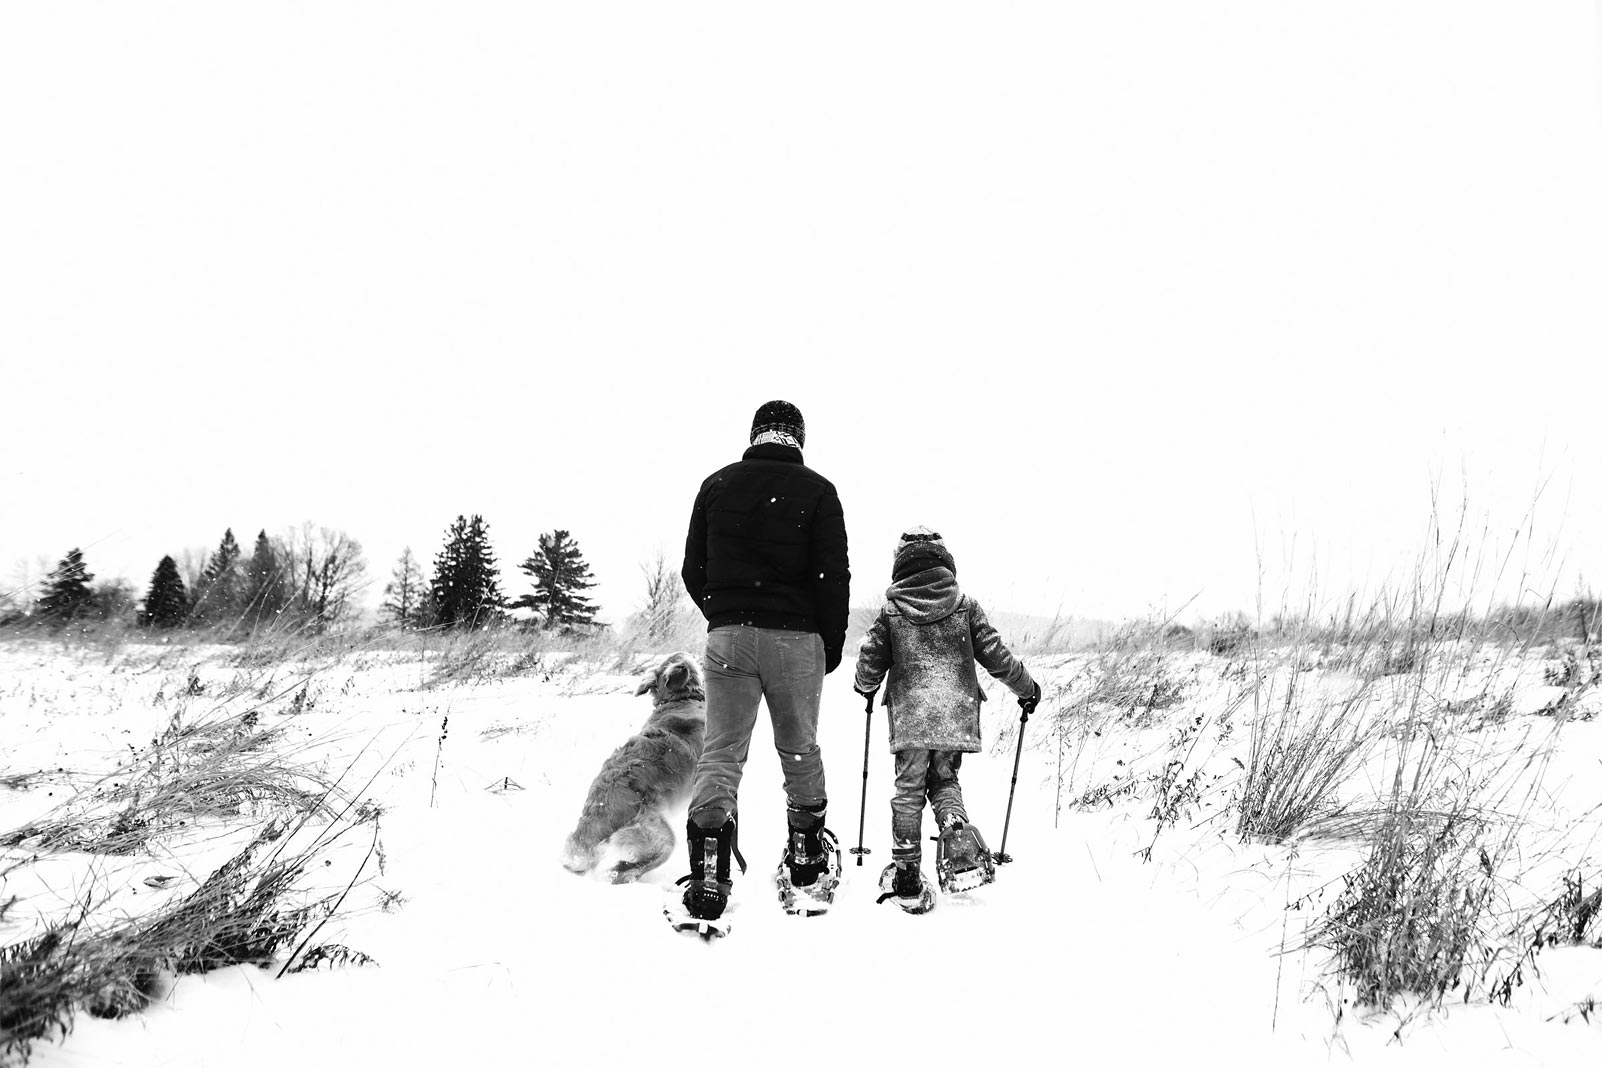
pixel 694 571
pixel 831 577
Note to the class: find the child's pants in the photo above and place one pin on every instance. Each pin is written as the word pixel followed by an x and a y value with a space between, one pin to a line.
pixel 921 774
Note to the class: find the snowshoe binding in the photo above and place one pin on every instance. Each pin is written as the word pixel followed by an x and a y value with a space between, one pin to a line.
pixel 907 887
pixel 809 871
pixel 701 909
pixel 962 860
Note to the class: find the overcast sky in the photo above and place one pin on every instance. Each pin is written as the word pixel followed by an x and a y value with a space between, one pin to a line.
pixel 1121 297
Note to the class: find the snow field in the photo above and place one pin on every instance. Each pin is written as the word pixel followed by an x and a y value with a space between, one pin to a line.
pixel 1081 950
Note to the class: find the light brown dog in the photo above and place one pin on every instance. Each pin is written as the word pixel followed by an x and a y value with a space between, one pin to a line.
pixel 622 833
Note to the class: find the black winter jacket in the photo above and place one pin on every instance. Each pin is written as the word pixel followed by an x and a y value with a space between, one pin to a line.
pixel 767 548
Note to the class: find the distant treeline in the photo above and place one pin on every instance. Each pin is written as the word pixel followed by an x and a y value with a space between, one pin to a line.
pixel 1579 618
pixel 310 578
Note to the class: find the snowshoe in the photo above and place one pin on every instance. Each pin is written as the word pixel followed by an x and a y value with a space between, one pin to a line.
pixel 907 887
pixel 681 919
pixel 707 887
pixel 808 875
pixel 962 860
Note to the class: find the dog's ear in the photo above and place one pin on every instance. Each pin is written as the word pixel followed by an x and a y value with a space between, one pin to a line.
pixel 648 685
pixel 677 675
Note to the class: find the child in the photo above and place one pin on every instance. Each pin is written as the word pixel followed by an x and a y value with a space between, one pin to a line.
pixel 926 638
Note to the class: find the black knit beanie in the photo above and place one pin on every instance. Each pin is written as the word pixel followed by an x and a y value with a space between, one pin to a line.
pixel 781 416
pixel 918 550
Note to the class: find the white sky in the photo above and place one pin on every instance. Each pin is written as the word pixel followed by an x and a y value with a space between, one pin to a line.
pixel 1109 294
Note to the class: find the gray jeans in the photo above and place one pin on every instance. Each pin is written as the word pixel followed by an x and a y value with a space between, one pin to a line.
pixel 744 665
pixel 921 774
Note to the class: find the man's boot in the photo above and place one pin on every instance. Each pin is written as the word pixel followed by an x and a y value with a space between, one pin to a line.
pixel 810 868
pixel 709 882
pixel 806 854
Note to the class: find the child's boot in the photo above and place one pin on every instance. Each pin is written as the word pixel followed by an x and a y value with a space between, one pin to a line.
pixel 905 885
pixel 902 880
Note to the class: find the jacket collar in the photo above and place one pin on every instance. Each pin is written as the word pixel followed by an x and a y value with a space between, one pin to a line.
pixel 772 452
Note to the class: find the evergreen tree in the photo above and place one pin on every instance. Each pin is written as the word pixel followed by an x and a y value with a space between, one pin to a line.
pixel 218 593
pixel 67 592
pixel 167 603
pixel 266 582
pixel 466 590
pixel 560 578
pixel 406 597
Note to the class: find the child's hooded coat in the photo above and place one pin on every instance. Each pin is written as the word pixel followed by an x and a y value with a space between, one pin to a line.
pixel 926 639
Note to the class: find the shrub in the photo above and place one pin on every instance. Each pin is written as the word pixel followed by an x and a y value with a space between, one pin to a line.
pixel 1570 919
pixel 1408 920
pixel 1298 760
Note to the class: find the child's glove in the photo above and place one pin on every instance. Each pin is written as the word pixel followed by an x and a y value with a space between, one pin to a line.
pixel 1028 703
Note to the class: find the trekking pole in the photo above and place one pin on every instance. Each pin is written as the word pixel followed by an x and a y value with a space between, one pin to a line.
pixel 1002 856
pixel 862 819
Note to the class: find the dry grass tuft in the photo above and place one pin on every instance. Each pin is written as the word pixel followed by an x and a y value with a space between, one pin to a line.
pixel 246 912
pixel 215 768
pixel 1298 760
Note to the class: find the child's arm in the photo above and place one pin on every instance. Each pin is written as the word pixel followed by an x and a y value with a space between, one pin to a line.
pixel 993 654
pixel 874 656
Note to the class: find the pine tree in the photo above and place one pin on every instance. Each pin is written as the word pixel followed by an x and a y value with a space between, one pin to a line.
pixel 266 582
pixel 67 592
pixel 560 578
pixel 167 603
pixel 217 594
pixel 466 590
pixel 406 595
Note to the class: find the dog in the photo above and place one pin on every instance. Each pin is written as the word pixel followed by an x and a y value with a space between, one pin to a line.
pixel 621 833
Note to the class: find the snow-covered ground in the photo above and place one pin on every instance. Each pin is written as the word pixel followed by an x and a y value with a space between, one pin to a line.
pixel 488 951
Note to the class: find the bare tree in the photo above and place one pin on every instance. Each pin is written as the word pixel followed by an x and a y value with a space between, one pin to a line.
pixel 191 566
pixel 667 610
pixel 326 570
pixel 18 596
pixel 406 594
pixel 114 600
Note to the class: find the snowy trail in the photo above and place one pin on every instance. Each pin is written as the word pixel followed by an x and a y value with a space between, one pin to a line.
pixel 498 951
pixel 1079 952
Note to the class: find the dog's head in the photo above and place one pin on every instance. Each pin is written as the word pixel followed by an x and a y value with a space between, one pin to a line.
pixel 674 679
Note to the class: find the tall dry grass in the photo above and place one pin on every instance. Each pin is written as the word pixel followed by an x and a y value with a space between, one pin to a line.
pixel 223 763
pixel 1428 911
pixel 248 911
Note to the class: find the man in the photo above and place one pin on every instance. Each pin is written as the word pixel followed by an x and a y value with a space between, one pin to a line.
pixel 765 561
